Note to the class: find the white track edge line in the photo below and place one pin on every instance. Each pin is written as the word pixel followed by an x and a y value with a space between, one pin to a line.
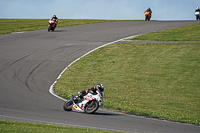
pixel 51 87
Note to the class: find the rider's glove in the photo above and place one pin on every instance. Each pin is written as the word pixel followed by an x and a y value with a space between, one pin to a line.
pixel 79 94
pixel 75 98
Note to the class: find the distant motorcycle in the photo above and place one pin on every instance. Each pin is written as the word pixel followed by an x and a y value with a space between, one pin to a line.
pixel 197 15
pixel 147 15
pixel 87 104
pixel 52 25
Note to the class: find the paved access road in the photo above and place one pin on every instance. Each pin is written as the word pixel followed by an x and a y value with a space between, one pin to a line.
pixel 31 61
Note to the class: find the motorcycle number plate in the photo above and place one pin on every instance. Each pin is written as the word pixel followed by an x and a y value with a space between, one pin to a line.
pixel 76 107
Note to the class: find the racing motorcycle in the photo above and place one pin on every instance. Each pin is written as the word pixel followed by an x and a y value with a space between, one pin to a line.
pixel 197 15
pixel 52 25
pixel 147 15
pixel 87 104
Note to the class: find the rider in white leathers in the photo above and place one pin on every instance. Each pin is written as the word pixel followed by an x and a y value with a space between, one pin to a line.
pixel 93 90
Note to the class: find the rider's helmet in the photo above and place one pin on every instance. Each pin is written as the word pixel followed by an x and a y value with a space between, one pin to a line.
pixel 54 16
pixel 100 87
pixel 197 8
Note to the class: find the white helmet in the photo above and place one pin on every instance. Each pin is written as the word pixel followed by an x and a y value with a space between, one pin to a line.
pixel 100 87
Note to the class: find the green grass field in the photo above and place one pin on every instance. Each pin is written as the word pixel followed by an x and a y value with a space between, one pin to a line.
pixel 24 127
pixel 160 80
pixel 185 33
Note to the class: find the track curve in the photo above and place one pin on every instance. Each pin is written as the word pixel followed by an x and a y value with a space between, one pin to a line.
pixel 31 61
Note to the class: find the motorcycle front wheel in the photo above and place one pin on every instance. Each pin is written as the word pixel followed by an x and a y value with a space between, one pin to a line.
pixel 49 28
pixel 67 106
pixel 53 28
pixel 91 107
pixel 147 18
pixel 197 17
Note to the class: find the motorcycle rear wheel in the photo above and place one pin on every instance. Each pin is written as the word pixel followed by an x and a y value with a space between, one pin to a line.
pixel 67 106
pixel 91 107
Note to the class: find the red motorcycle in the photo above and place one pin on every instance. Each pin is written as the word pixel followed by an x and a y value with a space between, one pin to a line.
pixel 52 25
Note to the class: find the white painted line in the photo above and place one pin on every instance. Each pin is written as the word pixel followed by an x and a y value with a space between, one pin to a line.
pixel 51 88
pixel 17 32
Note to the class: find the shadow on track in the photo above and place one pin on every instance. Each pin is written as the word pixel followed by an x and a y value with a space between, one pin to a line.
pixel 60 31
pixel 105 114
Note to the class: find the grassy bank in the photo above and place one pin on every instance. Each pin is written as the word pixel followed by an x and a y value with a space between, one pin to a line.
pixel 185 33
pixel 160 80
pixel 23 127
pixel 19 25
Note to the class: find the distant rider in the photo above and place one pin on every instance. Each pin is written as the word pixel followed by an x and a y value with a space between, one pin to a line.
pixel 93 91
pixel 197 16
pixel 149 10
pixel 54 18
pixel 197 10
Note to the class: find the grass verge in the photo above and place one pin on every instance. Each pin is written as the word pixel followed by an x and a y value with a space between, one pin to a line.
pixel 160 80
pixel 24 127
pixel 19 25
pixel 184 33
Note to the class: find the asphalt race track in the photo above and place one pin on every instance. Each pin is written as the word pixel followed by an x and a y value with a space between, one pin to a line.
pixel 31 61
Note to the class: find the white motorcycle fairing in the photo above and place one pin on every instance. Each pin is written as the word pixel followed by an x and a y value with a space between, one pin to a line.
pixel 89 103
